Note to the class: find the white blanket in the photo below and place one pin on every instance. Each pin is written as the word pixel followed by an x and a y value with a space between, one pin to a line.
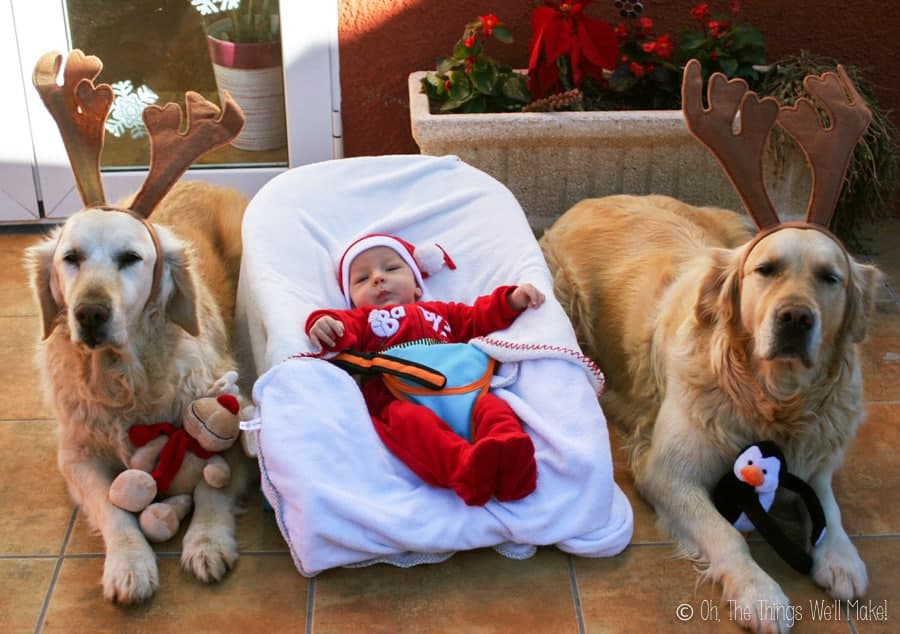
pixel 340 497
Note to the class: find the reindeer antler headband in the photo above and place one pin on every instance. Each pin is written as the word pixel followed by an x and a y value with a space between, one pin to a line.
pixel 80 109
pixel 827 149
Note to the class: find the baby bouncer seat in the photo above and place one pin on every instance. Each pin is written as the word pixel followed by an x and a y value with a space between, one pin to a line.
pixel 339 496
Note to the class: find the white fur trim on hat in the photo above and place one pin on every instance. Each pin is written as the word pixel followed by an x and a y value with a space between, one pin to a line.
pixel 430 257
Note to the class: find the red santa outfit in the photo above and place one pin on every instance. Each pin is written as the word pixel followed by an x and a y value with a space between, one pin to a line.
pixel 499 461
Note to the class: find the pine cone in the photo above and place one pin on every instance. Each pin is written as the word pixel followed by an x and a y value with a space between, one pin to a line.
pixel 559 101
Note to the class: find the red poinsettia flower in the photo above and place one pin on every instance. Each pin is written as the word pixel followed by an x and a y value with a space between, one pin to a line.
pixel 488 22
pixel 469 42
pixel 563 29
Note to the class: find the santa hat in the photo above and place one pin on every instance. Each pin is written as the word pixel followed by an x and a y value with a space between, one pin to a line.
pixel 424 260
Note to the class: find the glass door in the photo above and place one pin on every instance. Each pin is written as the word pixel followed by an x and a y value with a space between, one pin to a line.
pixel 18 199
pixel 279 64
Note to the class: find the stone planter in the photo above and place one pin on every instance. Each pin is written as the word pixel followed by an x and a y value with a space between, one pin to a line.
pixel 552 160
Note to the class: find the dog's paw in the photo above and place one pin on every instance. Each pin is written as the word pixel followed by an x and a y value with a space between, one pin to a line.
pixel 130 574
pixel 838 568
pixel 226 384
pixel 209 554
pixel 758 604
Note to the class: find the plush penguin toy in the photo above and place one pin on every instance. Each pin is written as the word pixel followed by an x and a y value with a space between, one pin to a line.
pixel 745 495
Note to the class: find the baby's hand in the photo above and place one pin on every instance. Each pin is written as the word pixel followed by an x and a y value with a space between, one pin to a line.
pixel 326 331
pixel 525 296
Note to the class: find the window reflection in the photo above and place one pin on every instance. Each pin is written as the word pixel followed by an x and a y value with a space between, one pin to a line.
pixel 155 50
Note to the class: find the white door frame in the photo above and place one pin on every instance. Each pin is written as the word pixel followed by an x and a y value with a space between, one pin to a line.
pixel 18 198
pixel 312 101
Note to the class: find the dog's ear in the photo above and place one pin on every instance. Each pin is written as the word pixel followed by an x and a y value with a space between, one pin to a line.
pixel 718 299
pixel 865 280
pixel 178 260
pixel 39 261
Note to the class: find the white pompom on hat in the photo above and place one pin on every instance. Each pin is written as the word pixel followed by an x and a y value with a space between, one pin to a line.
pixel 424 260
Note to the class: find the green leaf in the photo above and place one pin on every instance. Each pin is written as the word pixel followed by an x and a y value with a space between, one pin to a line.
pixel 513 87
pixel 745 36
pixel 729 65
pixel 621 80
pixel 460 88
pixel 692 40
pixel 503 34
pixel 478 103
pixel 434 79
pixel 483 76
pixel 445 64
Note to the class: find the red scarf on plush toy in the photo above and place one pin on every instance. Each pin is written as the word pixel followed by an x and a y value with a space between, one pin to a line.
pixel 173 451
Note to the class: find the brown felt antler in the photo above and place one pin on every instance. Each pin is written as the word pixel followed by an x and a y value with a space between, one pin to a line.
pixel 80 111
pixel 741 153
pixel 828 149
pixel 173 151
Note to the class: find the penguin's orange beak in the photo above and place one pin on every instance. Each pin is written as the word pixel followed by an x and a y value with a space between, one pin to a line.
pixel 752 475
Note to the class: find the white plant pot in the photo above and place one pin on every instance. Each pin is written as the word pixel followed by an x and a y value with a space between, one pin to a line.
pixel 252 74
pixel 552 160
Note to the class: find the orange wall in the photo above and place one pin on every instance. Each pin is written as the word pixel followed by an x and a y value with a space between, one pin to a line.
pixel 382 41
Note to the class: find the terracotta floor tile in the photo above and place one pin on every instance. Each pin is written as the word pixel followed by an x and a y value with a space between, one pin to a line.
pixel 881 355
pixel 83 541
pixel 257 529
pixel 812 609
pixel 257 532
pixel 25 583
pixel 640 590
pixel 263 594
pixel 879 611
pixel 645 529
pixel 15 295
pixel 867 483
pixel 20 387
pixel 35 503
pixel 648 588
pixel 476 591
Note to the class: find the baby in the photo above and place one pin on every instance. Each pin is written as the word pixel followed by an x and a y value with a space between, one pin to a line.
pixel 381 276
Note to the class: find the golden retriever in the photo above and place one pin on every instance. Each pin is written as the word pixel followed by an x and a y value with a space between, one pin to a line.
pixel 709 345
pixel 112 356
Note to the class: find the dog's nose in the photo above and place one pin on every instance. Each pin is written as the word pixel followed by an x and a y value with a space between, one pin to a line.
pixel 91 316
pixel 795 317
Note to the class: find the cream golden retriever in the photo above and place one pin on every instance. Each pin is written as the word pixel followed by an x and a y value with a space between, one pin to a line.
pixel 113 356
pixel 708 346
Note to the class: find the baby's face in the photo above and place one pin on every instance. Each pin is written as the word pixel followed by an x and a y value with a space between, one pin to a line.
pixel 379 276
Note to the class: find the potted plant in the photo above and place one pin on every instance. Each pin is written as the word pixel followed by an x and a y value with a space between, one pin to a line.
pixel 623 133
pixel 245 49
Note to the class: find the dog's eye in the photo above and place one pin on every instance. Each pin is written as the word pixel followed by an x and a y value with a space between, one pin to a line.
pixel 829 277
pixel 127 259
pixel 767 269
pixel 73 257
